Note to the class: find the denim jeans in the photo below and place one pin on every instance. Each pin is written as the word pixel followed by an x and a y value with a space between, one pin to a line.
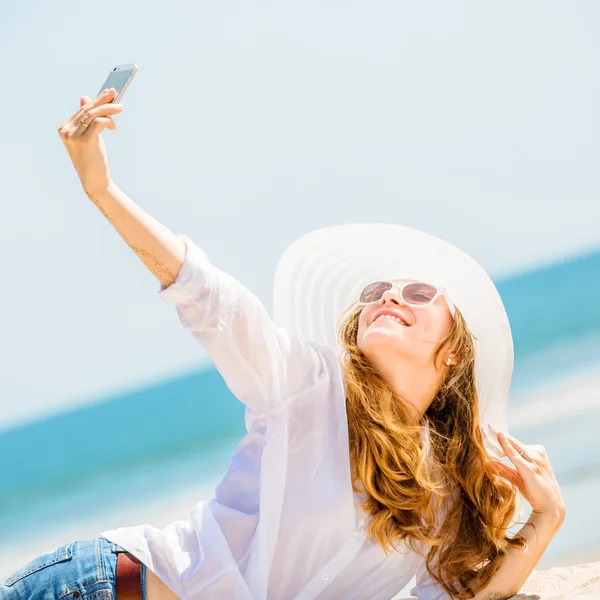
pixel 81 570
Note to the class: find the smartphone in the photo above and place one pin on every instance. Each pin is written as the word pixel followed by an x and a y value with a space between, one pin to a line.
pixel 119 78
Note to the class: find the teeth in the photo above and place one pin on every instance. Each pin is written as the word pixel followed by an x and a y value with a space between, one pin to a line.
pixel 392 318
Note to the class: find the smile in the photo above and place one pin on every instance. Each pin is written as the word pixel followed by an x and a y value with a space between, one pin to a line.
pixel 390 318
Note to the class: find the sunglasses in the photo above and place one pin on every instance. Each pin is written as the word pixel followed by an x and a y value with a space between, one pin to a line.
pixel 416 294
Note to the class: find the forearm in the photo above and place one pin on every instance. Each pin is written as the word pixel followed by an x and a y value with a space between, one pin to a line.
pixel 157 247
pixel 518 564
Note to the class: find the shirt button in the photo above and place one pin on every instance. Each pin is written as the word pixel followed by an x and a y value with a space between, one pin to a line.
pixel 325 576
pixel 76 594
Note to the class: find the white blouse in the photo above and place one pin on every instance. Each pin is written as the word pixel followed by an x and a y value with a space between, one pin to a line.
pixel 284 523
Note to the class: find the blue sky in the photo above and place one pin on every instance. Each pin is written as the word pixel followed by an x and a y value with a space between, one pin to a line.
pixel 249 124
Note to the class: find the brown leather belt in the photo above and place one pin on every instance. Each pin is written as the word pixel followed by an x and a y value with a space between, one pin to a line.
pixel 128 577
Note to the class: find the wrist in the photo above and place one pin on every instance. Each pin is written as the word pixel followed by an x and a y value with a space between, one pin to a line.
pixel 553 516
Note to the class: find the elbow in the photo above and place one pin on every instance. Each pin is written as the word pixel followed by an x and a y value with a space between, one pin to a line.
pixel 488 594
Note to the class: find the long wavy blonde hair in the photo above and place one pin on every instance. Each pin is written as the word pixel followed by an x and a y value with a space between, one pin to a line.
pixel 406 485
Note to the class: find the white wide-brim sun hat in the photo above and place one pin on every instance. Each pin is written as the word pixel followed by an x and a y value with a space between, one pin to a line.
pixel 323 272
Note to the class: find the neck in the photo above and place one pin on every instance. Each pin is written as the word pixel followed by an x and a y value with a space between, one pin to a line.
pixel 417 384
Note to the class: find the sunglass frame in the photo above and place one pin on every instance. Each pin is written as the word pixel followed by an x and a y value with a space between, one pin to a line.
pixel 440 291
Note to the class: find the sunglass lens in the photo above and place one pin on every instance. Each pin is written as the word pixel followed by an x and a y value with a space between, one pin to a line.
pixel 374 291
pixel 418 293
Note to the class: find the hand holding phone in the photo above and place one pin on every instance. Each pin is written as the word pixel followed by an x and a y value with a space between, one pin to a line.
pixel 81 132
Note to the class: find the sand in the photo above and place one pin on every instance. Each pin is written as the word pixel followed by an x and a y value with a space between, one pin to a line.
pixel 577 582
pixel 581 582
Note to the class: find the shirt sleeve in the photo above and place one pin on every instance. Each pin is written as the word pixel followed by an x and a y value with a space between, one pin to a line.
pixel 259 361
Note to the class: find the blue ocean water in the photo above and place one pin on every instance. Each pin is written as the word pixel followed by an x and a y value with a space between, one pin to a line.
pixel 555 319
pixel 73 463
pixel 132 445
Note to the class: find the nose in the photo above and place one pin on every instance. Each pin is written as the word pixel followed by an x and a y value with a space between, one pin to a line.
pixel 392 295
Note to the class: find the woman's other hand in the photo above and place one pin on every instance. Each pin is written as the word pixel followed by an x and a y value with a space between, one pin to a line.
pixel 533 475
pixel 85 144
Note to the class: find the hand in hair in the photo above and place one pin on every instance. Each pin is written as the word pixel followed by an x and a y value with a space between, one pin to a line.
pixel 533 475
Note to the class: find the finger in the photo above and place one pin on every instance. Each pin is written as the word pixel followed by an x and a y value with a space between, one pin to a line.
pixel 85 101
pixel 528 452
pixel 102 112
pixel 93 106
pixel 85 109
pixel 511 452
pixel 520 447
pixel 99 124
pixel 491 442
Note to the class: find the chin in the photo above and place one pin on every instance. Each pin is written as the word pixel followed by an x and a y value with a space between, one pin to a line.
pixel 374 340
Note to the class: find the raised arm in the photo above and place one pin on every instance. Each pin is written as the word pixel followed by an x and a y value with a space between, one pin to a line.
pixel 261 363
pixel 157 247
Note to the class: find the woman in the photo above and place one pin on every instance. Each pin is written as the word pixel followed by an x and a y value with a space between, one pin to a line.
pixel 365 462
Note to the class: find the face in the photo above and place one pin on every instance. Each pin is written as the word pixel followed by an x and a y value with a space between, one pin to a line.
pixel 386 342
